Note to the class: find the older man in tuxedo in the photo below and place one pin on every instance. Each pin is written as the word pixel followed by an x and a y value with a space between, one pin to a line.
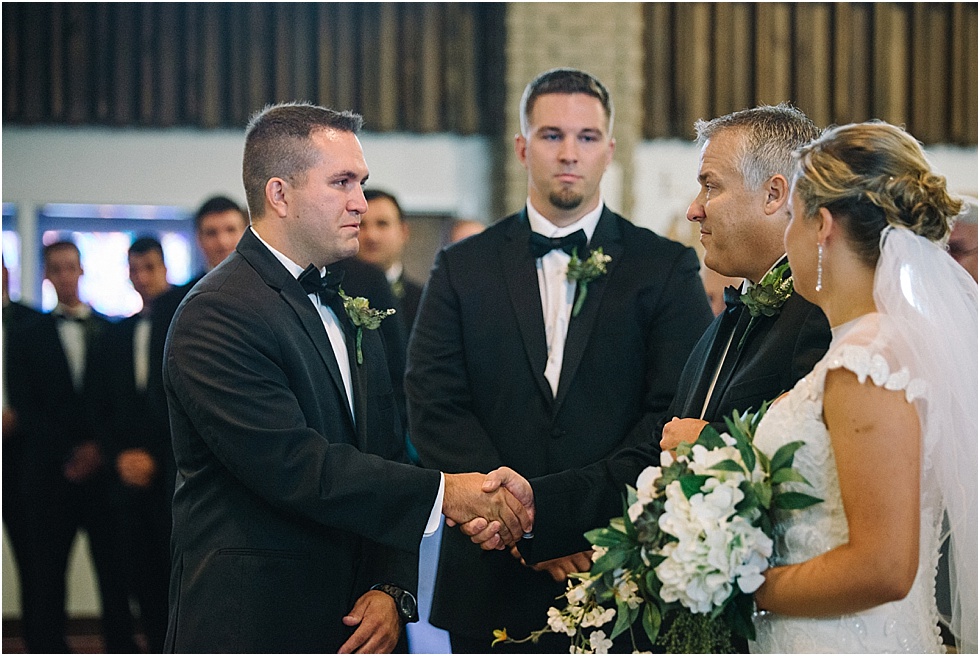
pixel 513 363
pixel 294 528
pixel 743 209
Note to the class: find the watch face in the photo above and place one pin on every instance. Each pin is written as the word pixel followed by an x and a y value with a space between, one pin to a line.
pixel 407 604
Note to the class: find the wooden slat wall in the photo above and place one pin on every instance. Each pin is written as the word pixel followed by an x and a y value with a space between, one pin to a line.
pixel 913 64
pixel 422 67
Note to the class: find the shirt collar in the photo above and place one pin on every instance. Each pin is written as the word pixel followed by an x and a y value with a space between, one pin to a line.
pixel 81 311
pixel 543 226
pixel 294 269
pixel 394 272
pixel 746 284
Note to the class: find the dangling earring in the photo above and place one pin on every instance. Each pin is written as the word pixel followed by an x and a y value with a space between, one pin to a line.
pixel 819 267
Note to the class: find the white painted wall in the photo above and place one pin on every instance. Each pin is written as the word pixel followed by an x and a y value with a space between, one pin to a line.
pixel 437 173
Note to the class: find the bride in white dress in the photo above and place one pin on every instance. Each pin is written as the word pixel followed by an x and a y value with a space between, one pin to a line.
pixel 888 417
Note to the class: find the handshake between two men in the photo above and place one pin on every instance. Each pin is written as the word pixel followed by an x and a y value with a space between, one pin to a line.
pixel 495 510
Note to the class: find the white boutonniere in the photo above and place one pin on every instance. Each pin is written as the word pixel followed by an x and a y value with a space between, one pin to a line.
pixel 362 315
pixel 765 298
pixel 584 272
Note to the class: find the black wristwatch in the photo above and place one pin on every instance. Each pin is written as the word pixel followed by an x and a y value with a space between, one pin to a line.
pixel 408 608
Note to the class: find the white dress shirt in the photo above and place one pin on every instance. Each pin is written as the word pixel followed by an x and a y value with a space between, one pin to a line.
pixel 728 346
pixel 72 336
pixel 557 292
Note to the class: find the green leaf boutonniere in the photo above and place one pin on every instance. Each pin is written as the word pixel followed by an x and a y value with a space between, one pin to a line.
pixel 765 298
pixel 584 272
pixel 362 315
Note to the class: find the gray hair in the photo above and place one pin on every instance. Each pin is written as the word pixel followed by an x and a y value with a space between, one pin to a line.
pixel 769 136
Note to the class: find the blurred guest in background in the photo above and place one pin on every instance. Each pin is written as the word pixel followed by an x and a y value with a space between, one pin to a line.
pixel 384 234
pixel 963 241
pixel 66 480
pixel 460 229
pixel 135 435
pixel 19 322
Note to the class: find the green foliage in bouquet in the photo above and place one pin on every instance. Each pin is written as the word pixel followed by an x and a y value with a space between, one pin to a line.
pixel 689 550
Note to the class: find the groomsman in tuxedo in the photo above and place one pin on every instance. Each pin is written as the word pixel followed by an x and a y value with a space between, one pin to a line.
pixel 296 529
pixel 743 208
pixel 511 363
pixel 65 477
pixel 136 441
pixel 19 327
pixel 384 234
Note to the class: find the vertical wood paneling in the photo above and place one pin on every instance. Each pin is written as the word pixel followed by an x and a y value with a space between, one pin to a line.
pixel 431 66
pixel 891 63
pixel 693 61
pixel 124 77
pixel 812 61
pixel 102 60
pixel 963 90
pixel 59 37
pixel 441 66
pixel 774 56
pixel 282 52
pixel 168 65
pixel 657 38
pixel 36 32
pixel 145 97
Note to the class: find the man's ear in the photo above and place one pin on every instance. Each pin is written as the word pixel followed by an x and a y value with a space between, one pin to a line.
pixel 275 196
pixel 520 147
pixel 777 194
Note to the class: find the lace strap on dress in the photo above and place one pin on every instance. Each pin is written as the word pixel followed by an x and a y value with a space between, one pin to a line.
pixel 865 363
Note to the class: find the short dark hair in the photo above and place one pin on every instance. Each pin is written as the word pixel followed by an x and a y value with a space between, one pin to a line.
pixel 60 245
pixel 374 194
pixel 217 205
pixel 277 144
pixel 566 81
pixel 144 245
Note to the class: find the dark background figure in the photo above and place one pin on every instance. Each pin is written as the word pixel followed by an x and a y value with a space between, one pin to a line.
pixel 135 434
pixel 19 326
pixel 66 481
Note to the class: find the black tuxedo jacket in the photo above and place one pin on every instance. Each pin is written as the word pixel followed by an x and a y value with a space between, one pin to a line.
pixel 411 296
pixel 478 398
pixel 133 418
pixel 56 415
pixel 777 352
pixel 284 512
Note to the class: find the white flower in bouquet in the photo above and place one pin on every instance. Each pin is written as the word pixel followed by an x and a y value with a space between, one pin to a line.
pixel 690 549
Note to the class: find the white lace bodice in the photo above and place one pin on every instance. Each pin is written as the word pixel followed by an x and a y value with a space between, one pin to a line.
pixel 909 625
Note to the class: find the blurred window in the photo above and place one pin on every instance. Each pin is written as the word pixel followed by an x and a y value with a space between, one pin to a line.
pixel 103 234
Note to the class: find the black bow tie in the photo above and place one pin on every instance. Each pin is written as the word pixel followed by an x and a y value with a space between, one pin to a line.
pixel 326 287
pixel 541 245
pixel 69 317
pixel 733 298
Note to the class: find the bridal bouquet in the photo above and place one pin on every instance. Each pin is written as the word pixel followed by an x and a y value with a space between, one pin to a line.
pixel 689 550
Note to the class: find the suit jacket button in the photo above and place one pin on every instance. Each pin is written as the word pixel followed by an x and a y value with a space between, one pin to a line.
pixel 557 433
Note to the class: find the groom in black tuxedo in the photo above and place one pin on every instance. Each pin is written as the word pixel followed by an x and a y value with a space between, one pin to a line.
pixel 295 528
pixel 503 370
pixel 743 209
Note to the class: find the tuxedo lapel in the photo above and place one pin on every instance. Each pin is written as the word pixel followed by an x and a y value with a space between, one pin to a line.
pixel 607 236
pixel 521 280
pixel 278 278
pixel 730 364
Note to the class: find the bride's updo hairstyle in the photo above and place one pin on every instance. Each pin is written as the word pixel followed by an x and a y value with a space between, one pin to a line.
pixel 869 175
